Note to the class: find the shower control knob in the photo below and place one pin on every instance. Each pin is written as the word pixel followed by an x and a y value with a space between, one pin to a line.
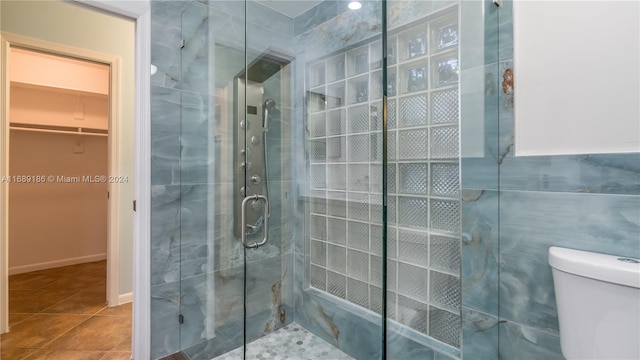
pixel 255 140
pixel 244 124
pixel 245 166
pixel 244 152
pixel 256 179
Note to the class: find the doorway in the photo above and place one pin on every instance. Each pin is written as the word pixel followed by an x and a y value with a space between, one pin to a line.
pixel 58 161
pixel 62 220
pixel 101 38
pixel 123 29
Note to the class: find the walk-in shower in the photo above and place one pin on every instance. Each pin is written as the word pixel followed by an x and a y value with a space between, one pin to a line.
pixel 293 232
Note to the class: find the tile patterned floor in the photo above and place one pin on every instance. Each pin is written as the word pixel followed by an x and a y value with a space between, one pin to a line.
pixel 291 342
pixel 60 314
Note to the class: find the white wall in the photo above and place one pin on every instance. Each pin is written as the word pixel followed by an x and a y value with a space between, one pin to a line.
pixel 71 25
pixel 577 77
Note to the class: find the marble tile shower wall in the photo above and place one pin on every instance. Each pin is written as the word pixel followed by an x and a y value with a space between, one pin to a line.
pixel 191 259
pixel 589 202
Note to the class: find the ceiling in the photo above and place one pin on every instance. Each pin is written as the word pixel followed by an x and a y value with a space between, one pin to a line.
pixel 291 8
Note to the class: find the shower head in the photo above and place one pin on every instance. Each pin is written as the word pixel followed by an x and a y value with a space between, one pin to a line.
pixel 268 105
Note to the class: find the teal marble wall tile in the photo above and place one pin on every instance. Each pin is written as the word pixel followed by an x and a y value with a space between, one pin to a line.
pixel 165 328
pixel 197 138
pixel 165 234
pixel 315 16
pixel 589 173
pixel 480 250
pixel 195 54
pixel 344 30
pixel 232 7
pixel 227 30
pixel 440 356
pixel 197 255
pixel 403 12
pixel 505 36
pixel 259 39
pixel 479 34
pixel 165 139
pixel 518 342
pixel 267 18
pixel 480 134
pixel 400 346
pixel 166 34
pixel 480 334
pixel 196 307
pixel 531 222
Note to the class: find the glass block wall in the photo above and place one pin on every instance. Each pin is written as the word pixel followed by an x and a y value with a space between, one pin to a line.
pixel 344 126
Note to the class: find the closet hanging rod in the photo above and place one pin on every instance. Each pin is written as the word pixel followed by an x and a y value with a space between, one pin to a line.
pixel 54 131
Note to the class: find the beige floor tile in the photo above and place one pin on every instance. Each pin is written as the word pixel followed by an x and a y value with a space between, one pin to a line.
pixel 65 355
pixel 61 314
pixel 124 346
pixel 98 333
pixel 96 267
pixel 14 319
pixel 98 285
pixel 14 354
pixel 85 302
pixel 38 330
pixel 34 301
pixel 78 282
pixel 117 355
pixel 29 281
pixel 121 310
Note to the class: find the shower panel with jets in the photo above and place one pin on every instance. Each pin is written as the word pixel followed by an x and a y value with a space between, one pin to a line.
pixel 251 156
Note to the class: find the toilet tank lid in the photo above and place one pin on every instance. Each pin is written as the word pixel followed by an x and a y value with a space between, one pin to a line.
pixel 610 268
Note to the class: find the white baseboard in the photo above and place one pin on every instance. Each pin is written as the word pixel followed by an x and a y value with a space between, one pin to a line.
pixel 125 298
pixel 56 263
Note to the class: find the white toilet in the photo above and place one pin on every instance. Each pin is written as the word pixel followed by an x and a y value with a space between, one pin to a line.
pixel 598 298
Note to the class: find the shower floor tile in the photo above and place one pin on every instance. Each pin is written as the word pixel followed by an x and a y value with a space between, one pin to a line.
pixel 292 342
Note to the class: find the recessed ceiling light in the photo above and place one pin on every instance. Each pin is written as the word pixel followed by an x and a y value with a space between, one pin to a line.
pixel 355 5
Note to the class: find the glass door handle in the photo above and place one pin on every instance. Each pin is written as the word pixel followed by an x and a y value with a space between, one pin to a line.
pixel 265 219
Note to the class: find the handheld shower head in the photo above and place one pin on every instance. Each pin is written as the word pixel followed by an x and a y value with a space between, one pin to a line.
pixel 268 105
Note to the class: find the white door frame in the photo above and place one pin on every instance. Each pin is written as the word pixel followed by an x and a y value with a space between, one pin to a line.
pixel 113 253
pixel 139 11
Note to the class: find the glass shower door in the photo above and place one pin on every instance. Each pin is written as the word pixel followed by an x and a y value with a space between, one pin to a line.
pixel 264 205
pixel 212 258
pixel 263 209
pixel 342 293
pixel 281 190
pixel 236 204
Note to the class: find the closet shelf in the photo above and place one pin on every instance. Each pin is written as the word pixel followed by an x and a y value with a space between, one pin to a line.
pixel 59 130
